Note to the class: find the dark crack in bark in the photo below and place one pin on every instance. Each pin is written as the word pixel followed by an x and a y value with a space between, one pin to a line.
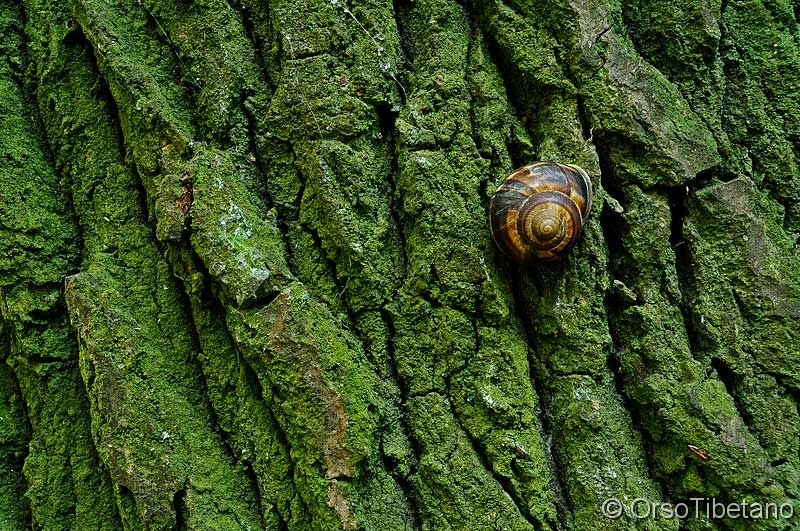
pixel 565 509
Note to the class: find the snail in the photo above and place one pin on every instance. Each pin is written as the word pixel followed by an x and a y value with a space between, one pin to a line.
pixel 537 212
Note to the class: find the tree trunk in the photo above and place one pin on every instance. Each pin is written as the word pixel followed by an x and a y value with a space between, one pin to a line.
pixel 247 279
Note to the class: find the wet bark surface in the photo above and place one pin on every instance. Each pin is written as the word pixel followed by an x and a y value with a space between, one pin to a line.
pixel 247 279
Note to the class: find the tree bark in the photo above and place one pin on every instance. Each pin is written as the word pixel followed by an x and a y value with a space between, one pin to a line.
pixel 247 280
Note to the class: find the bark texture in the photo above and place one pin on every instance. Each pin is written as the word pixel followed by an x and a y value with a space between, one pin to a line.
pixel 247 282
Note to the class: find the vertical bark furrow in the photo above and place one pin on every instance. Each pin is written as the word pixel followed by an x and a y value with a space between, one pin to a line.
pixel 750 342
pixel 564 305
pixel 683 40
pixel 661 291
pixel 437 319
pixel 651 135
pixel 520 288
pixel 15 437
pixel 703 395
pixel 538 86
pixel 583 413
pixel 504 476
pixel 499 134
pixel 242 405
pixel 735 79
pixel 217 59
pixel 214 398
pixel 338 199
pixel 663 376
pixel 324 394
pixel 453 486
pixel 66 483
pixel 728 222
pixel 255 22
pixel 140 376
pixel 398 446
pixel 761 105
pixel 242 249
pixel 339 171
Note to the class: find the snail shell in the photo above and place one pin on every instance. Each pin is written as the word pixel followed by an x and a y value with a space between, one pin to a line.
pixel 537 212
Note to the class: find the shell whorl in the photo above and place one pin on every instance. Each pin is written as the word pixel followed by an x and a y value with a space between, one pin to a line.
pixel 537 212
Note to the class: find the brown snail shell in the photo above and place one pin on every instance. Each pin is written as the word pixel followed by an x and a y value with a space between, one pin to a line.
pixel 537 212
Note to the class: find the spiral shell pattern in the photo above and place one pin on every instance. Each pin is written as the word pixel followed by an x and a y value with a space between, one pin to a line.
pixel 537 212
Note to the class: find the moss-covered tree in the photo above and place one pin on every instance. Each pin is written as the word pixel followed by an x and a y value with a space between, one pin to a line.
pixel 247 282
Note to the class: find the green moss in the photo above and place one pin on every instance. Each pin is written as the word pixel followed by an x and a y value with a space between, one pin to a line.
pixel 135 347
pixel 456 491
pixel 349 350
pixel 64 484
pixel 594 433
pixel 14 436
pixel 39 239
pixel 536 78
pixel 150 420
pixel 445 342
pixel 496 128
pixel 496 406
pixel 682 40
pixel 345 202
pixel 584 413
pixel 236 238
pixel 328 171
pixel 744 293
pixel 665 375
pixel 215 59
pixel 322 392
pixel 637 115
pixel 241 405
pixel 762 107
pixel 242 251
pixel 738 70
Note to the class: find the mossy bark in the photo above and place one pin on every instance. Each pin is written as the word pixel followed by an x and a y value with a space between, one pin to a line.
pixel 247 282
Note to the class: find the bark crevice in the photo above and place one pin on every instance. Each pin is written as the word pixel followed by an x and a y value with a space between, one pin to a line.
pixel 536 369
